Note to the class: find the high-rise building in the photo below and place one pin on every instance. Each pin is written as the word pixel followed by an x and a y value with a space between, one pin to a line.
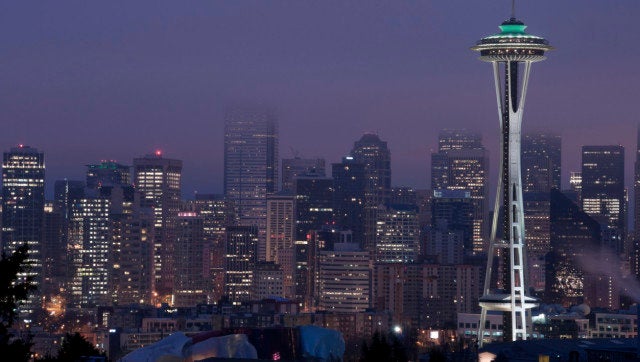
pixel 313 210
pixel 371 151
pixel 511 52
pixel 131 255
pixel 456 168
pixel 192 279
pixel 348 196
pixel 108 173
pixel 538 236
pixel 53 254
pixel 218 213
pixel 541 162
pixel 251 166
pixel 240 261
pixel 635 255
pixel 23 211
pixel 603 192
pixel 294 167
pixel 398 235
pixel 313 204
pixel 573 233
pixel 281 228
pixel 90 248
pixel 159 181
pixel 344 277
pixel 451 236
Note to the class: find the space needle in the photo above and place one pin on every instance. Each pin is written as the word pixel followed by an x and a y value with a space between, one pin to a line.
pixel 511 53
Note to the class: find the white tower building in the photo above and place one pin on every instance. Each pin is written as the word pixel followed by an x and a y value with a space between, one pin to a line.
pixel 511 53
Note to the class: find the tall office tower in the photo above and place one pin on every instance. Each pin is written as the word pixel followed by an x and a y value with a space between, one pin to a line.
pixel 344 277
pixel 23 212
pixel 281 237
pixel 251 166
pixel 240 261
pixel 451 236
pixel 90 248
pixel 159 181
pixel 461 163
pixel 512 51
pixel 635 255
pixel 397 235
pixel 108 173
pixel 313 210
pixel 537 234
pixel 541 158
pixel 541 161
pixel 131 255
pixel 465 170
pixel 603 193
pixel 218 213
pixel 53 254
pixel 294 167
pixel 348 196
pixel 307 287
pixel 371 151
pixel 313 204
pixel 192 279
pixel 573 233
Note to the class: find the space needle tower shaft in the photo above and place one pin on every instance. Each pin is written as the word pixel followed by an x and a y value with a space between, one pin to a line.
pixel 511 53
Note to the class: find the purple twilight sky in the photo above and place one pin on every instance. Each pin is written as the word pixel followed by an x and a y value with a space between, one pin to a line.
pixel 85 81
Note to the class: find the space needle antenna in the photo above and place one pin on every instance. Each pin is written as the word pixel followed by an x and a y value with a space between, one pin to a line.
pixel 513 9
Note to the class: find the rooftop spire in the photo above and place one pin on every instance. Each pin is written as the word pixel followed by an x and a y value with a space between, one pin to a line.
pixel 513 9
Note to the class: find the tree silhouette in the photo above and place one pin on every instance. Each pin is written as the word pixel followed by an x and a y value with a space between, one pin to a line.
pixel 13 292
pixel 380 349
pixel 74 347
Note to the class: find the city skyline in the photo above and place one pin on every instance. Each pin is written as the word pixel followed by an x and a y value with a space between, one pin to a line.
pixel 149 73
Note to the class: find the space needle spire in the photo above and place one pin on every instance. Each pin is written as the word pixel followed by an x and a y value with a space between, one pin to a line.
pixel 511 53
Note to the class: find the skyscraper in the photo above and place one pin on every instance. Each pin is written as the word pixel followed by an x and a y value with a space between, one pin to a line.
pixel 192 279
pixel 159 181
pixel 313 209
pixel 512 51
pixel 90 248
pixel 541 158
pixel 240 262
pixel 281 237
pixel 23 211
pixel 573 233
pixel 603 193
pixel 398 235
pixel 635 255
pixel 251 166
pixel 541 162
pixel 461 163
pixel 344 277
pixel 374 154
pixel 218 214
pixel 348 196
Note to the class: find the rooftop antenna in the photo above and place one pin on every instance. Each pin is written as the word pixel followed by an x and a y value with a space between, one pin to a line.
pixel 513 9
